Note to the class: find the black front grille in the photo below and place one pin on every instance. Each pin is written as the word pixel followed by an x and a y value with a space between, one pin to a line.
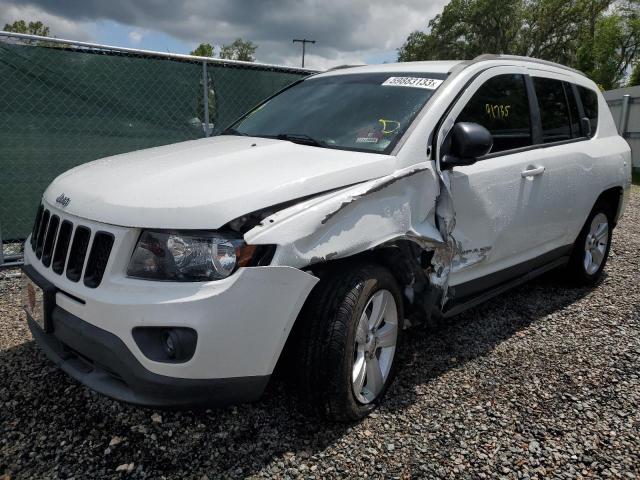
pixel 58 246
pixel 62 247
pixel 98 258
pixel 36 227
pixel 41 231
pixel 47 250
pixel 78 253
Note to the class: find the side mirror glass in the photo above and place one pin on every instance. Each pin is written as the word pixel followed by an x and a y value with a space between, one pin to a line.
pixel 468 142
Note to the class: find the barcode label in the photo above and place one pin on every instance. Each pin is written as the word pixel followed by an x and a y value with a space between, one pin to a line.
pixel 415 82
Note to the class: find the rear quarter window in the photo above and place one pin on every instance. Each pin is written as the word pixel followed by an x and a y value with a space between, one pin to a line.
pixel 590 105
pixel 554 110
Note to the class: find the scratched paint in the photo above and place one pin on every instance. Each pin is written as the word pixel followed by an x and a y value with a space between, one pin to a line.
pixel 354 219
pixel 414 203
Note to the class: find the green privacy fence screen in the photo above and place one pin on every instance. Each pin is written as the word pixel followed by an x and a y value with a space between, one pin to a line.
pixel 64 104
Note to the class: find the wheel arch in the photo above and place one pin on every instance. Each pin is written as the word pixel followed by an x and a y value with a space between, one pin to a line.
pixel 405 258
pixel 613 198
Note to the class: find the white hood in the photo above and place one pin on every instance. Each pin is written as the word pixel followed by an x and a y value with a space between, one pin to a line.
pixel 206 183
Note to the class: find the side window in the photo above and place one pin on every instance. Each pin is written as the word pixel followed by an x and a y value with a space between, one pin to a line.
pixel 573 111
pixel 590 104
pixel 554 112
pixel 501 105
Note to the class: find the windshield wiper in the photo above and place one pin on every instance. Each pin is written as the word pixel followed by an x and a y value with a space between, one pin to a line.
pixel 300 138
pixel 233 131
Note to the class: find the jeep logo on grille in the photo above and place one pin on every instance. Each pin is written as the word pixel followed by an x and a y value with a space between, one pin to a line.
pixel 62 200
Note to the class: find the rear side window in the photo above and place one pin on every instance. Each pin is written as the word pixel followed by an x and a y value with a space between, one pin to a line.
pixel 590 105
pixel 501 105
pixel 554 111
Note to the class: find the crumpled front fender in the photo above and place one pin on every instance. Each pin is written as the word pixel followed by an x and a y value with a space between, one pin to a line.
pixel 355 219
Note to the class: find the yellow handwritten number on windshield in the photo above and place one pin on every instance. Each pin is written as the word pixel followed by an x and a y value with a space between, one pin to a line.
pixel 389 126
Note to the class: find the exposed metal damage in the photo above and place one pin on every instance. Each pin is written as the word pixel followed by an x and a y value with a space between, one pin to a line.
pixel 413 206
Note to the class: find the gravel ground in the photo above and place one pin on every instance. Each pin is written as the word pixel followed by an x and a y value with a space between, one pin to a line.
pixel 541 382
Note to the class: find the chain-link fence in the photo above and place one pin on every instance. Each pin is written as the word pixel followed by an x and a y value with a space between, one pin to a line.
pixel 63 103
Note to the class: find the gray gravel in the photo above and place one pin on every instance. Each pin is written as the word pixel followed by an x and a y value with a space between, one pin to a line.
pixel 541 382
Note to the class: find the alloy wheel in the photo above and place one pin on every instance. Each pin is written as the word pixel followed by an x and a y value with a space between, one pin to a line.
pixel 375 346
pixel 595 246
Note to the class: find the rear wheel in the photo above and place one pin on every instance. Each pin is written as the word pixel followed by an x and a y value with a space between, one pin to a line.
pixel 591 250
pixel 349 335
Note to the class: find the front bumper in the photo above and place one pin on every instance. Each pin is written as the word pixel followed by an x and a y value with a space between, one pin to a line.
pixel 242 322
pixel 101 361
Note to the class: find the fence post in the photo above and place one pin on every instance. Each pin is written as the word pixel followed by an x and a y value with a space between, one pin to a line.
pixel 205 98
pixel 624 115
pixel 1 249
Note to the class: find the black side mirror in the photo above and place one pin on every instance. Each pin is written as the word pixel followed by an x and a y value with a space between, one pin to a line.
pixel 468 142
pixel 585 127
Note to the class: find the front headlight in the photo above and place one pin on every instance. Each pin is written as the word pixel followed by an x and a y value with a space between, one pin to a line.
pixel 188 256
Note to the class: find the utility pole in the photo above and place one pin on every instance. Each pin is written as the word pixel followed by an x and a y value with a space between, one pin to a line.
pixel 304 42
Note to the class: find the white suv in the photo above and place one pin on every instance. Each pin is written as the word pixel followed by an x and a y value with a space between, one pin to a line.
pixel 318 226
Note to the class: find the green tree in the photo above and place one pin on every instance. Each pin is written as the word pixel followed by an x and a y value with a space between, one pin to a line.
pixel 203 50
pixel 599 37
pixel 239 50
pixel 611 45
pixel 31 28
pixel 634 80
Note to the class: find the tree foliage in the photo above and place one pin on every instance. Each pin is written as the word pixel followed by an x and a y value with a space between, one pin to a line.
pixel 634 80
pixel 31 28
pixel 203 50
pixel 239 50
pixel 599 37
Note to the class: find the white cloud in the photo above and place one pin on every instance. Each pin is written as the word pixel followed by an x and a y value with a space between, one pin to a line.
pixel 346 32
pixel 59 26
pixel 135 37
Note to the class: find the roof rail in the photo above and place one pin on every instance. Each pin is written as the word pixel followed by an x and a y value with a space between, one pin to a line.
pixel 340 67
pixel 491 56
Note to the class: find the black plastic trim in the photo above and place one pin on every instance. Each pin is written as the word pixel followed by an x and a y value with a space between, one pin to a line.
pixel 49 241
pixel 459 307
pixel 62 247
pixel 41 233
pixel 78 253
pixel 576 94
pixel 150 341
pixel 477 291
pixel 532 147
pixel 101 361
pixel 534 111
pixel 36 227
pixel 98 258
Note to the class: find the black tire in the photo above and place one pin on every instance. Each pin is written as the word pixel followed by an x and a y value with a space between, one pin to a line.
pixel 577 272
pixel 326 335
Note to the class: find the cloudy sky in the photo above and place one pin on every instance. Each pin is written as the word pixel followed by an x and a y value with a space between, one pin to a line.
pixel 346 31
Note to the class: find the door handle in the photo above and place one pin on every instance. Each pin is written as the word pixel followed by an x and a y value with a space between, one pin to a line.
pixel 532 171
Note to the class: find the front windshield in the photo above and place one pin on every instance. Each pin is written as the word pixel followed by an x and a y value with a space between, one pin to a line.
pixel 365 112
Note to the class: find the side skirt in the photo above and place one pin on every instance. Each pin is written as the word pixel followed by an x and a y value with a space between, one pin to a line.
pixel 460 306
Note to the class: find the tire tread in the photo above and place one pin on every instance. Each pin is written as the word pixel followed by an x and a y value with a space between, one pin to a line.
pixel 323 330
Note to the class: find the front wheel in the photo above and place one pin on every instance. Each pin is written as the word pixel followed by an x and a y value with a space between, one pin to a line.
pixel 351 329
pixel 591 249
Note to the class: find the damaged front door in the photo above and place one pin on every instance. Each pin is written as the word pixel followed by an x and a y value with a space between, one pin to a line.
pixel 494 216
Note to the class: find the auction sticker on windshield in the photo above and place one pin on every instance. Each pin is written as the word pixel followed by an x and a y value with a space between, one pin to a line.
pixel 416 82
